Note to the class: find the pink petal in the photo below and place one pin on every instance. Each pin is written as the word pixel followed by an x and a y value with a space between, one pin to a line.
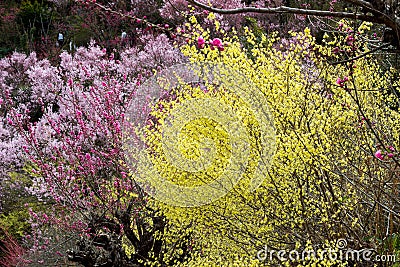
pixel 378 154
pixel 217 42
pixel 200 41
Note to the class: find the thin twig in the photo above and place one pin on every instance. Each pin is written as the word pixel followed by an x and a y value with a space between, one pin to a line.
pixel 285 9
pixel 360 56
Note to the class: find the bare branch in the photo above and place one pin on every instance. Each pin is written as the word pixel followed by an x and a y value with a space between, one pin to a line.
pixel 360 56
pixel 377 18
pixel 285 9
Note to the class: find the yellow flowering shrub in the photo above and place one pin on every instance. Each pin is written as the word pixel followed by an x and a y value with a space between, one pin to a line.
pixel 320 181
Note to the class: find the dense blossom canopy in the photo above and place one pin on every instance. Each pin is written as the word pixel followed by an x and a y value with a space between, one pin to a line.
pixel 181 137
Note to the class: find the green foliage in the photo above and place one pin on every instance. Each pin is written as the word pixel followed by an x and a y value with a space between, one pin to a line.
pixel 15 222
pixel 35 14
pixel 15 216
pixel 4 51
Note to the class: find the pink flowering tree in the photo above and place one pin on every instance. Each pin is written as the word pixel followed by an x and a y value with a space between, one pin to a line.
pixel 65 122
pixel 177 11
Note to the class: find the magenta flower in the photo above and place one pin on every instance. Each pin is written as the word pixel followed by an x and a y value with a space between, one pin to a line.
pixel 391 148
pixel 201 42
pixel 217 42
pixel 378 154
pixel 390 155
pixel 339 82
pixel 350 40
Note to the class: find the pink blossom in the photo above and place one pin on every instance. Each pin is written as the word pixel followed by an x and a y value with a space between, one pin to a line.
pixel 64 134
pixel 390 155
pixel 59 253
pixel 217 42
pixel 378 154
pixel 201 42
pixel 350 39
pixel 391 148
pixel 175 9
pixel 341 82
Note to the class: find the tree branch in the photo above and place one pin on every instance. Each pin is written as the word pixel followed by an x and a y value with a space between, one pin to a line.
pixel 302 11
pixel 378 16
pixel 360 56
pixel 285 9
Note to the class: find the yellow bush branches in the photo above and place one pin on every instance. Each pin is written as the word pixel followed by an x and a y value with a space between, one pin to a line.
pixel 307 129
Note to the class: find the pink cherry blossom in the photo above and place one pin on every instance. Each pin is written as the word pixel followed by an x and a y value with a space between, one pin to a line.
pixel 80 139
pixel 339 81
pixel 201 42
pixel 378 154
pixel 217 42
pixel 350 40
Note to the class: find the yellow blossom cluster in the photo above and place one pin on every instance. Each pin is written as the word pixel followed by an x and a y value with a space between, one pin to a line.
pixel 320 180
